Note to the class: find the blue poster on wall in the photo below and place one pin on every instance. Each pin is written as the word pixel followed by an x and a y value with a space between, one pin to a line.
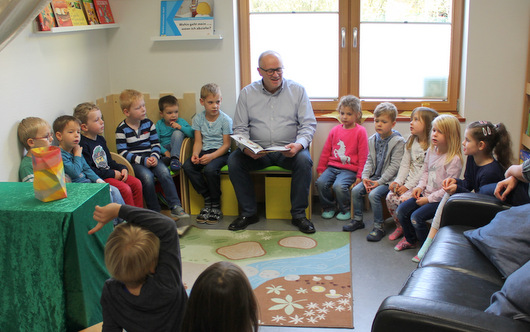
pixel 186 18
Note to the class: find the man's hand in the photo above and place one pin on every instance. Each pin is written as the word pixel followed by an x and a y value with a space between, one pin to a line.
pixel 253 155
pixel 104 214
pixel 505 187
pixel 294 148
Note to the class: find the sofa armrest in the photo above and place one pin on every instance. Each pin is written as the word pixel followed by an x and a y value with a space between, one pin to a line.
pixel 404 313
pixel 471 209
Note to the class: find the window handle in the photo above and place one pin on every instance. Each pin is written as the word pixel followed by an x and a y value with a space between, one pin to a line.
pixel 343 37
pixel 354 38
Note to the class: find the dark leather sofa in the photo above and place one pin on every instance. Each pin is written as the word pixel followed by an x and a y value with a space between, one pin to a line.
pixel 454 281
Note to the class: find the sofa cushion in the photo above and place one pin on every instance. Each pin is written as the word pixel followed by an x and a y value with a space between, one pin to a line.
pixel 505 239
pixel 452 250
pixel 513 299
pixel 445 285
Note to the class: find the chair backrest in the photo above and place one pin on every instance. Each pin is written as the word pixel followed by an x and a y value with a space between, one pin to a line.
pixel 113 115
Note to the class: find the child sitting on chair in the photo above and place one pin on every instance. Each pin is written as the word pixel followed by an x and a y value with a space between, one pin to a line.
pixel 172 130
pixel 33 132
pixel 210 153
pixel 142 255
pixel 137 141
pixel 98 157
pixel 342 160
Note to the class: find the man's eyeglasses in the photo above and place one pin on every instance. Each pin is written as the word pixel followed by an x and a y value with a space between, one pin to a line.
pixel 48 137
pixel 270 72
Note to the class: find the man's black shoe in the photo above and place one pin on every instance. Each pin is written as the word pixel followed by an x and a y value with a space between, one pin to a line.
pixel 304 225
pixel 242 222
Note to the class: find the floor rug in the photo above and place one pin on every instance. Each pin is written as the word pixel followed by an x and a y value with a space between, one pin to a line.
pixel 299 279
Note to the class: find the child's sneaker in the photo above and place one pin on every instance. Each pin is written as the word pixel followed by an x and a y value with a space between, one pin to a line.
pixel 416 259
pixel 178 211
pixel 353 226
pixel 343 216
pixel 375 235
pixel 202 217
pixel 175 165
pixel 396 234
pixel 328 214
pixel 215 216
pixel 404 244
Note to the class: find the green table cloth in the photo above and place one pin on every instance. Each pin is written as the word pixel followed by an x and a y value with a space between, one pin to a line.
pixel 51 270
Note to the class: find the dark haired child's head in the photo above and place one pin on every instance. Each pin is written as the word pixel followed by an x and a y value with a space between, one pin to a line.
pixel 349 109
pixel 211 99
pixel 169 109
pixel 92 123
pixel 385 115
pixel 221 300
pixel 131 254
pixel 67 129
pixel 133 105
pixel 34 132
pixel 421 126
pixel 488 138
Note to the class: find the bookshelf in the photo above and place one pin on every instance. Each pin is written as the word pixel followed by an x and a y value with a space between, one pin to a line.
pixel 79 28
pixel 176 38
pixel 525 138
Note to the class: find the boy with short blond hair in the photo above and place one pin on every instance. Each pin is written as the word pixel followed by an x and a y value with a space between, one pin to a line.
pixel 385 151
pixel 32 132
pixel 137 141
pixel 98 157
pixel 172 130
pixel 210 152
pixel 145 292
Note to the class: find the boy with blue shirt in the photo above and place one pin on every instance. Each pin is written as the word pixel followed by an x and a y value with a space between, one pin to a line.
pixel 172 130
pixel 385 151
pixel 210 152
pixel 67 130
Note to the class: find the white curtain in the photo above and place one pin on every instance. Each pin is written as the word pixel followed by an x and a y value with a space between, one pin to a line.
pixel 15 15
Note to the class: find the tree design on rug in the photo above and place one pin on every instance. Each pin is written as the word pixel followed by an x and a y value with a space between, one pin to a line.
pixel 287 304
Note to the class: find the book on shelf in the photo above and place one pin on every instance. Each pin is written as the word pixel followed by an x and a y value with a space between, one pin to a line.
pixel 186 18
pixel 103 11
pixel 75 8
pixel 46 19
pixel 523 155
pixel 90 12
pixel 255 147
pixel 62 15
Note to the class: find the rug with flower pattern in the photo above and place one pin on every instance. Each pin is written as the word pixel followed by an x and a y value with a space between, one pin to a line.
pixel 299 279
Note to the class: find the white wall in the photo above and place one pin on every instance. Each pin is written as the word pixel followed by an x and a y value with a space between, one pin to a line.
pixel 179 66
pixel 47 75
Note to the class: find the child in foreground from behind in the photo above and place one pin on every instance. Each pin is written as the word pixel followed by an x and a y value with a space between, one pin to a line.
pixel 221 300
pixel 410 169
pixel 385 153
pixel 210 152
pixel 482 139
pixel 33 132
pixel 443 160
pixel 145 292
pixel 98 157
pixel 172 130
pixel 342 160
pixel 137 141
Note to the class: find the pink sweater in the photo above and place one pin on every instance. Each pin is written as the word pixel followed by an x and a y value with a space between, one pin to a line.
pixel 345 149
pixel 435 170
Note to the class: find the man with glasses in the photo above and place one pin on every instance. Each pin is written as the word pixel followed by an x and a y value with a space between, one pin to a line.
pixel 273 112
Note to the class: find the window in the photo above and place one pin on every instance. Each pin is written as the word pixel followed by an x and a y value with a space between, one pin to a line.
pixel 403 51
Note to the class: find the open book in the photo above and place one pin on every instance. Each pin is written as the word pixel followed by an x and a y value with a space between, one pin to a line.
pixel 255 147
